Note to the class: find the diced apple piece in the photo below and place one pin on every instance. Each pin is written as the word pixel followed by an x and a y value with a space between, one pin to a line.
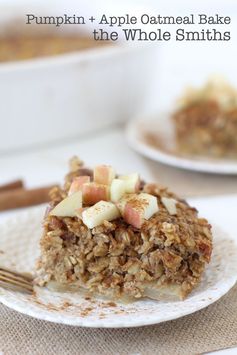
pixel 93 193
pixel 133 215
pixel 150 204
pixel 68 206
pixel 137 208
pixel 170 205
pixel 131 209
pixel 132 182
pixel 117 189
pixel 104 174
pixel 100 212
pixel 77 183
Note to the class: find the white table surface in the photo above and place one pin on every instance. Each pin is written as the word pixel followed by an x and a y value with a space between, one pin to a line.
pixel 49 164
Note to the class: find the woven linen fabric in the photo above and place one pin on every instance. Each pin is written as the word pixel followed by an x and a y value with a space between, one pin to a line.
pixel 210 329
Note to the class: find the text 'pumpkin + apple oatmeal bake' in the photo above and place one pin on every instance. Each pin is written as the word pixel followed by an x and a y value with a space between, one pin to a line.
pixel 113 235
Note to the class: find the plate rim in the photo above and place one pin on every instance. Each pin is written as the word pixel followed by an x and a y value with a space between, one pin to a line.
pixel 105 324
pixel 100 323
pixel 20 307
pixel 132 135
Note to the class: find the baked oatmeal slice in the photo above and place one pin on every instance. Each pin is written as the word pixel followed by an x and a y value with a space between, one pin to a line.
pixel 206 121
pixel 118 237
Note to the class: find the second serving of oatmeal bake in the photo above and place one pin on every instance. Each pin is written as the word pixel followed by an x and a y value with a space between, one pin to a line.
pixel 206 120
pixel 116 236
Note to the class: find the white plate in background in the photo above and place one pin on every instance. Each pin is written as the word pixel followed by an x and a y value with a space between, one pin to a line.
pixel 19 245
pixel 139 133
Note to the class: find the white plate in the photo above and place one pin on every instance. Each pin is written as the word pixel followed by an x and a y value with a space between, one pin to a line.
pixel 163 150
pixel 19 243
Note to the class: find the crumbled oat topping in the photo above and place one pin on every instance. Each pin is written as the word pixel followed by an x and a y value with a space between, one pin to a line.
pixel 119 261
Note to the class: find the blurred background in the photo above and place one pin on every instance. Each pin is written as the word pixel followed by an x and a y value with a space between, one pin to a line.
pixel 77 103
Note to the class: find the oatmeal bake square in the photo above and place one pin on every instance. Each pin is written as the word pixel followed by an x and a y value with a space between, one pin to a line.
pixel 118 237
pixel 206 120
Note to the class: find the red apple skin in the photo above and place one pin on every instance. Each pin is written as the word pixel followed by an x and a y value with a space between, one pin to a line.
pixel 93 193
pixel 132 216
pixel 78 183
pixel 102 174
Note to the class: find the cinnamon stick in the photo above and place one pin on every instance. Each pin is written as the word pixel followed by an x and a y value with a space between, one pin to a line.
pixel 16 184
pixel 16 198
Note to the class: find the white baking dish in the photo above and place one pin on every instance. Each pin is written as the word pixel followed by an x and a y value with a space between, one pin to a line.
pixel 51 99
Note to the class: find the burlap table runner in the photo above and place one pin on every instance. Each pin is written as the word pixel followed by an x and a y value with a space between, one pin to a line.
pixel 188 183
pixel 210 329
